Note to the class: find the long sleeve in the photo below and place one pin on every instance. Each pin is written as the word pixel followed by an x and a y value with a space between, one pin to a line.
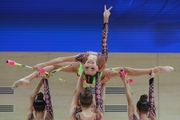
pixel 134 117
pixel 151 97
pixel 105 40
pixel 48 100
pixel 98 98
pixel 80 57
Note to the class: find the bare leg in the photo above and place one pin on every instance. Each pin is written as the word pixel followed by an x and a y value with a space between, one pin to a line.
pixel 26 80
pixel 139 72
pixel 109 73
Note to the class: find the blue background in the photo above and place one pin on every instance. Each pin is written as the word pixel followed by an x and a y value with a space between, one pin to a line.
pixel 76 25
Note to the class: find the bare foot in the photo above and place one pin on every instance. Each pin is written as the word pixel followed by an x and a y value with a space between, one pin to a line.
pixel 20 82
pixel 163 69
pixel 15 85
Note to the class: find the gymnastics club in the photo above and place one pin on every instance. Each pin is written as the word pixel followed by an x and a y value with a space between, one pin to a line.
pixel 12 63
pixel 123 74
pixel 56 70
pixel 58 78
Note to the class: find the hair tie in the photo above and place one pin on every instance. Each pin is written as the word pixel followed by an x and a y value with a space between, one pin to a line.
pixel 39 101
pixel 143 102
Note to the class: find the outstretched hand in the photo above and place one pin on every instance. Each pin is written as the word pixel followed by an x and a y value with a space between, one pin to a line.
pixel 123 78
pixel 107 11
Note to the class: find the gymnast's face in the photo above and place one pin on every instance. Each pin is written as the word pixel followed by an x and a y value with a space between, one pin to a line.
pixel 90 66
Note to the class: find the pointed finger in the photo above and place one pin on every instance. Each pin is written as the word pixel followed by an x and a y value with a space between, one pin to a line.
pixel 110 8
pixel 105 7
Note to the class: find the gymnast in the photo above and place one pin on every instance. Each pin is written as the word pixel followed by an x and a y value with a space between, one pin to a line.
pixel 90 63
pixel 39 105
pixel 82 105
pixel 145 109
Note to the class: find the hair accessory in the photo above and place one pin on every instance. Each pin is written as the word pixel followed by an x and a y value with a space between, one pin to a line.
pixel 38 101
pixel 143 102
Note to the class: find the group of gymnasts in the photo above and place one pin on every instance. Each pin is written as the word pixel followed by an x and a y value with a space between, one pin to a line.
pixel 91 67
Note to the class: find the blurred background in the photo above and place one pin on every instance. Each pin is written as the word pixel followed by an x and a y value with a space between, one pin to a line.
pixel 134 25
pixel 142 34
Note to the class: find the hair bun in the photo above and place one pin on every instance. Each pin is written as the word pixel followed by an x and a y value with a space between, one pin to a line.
pixel 40 96
pixel 87 91
pixel 143 98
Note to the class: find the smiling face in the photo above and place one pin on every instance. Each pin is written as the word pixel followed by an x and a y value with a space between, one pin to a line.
pixel 90 66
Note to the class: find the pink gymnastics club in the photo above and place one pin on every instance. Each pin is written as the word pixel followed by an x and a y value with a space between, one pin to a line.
pixel 123 74
pixel 12 63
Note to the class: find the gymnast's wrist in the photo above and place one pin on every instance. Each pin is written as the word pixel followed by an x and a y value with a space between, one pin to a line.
pixel 106 19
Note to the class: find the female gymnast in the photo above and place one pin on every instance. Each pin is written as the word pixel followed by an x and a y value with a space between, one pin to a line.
pixel 90 63
pixel 39 105
pixel 145 109
pixel 82 105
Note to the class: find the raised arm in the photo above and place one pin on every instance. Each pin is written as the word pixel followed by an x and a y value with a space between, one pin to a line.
pixel 49 114
pixel 129 100
pixel 32 97
pixel 98 93
pixel 151 97
pixel 100 110
pixel 103 93
pixel 104 42
pixel 74 103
